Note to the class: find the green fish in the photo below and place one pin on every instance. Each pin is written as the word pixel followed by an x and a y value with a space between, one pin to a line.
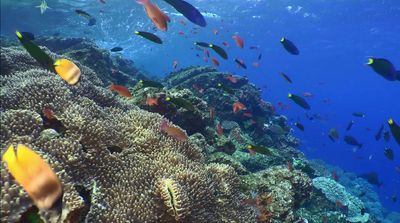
pixel 259 149
pixel 38 54
pixel 389 153
pixel 359 114
pixel 148 83
pixel 299 101
pixel 384 68
pixel 333 134
pixel 395 129
pixel 202 44
pixel 221 52
pixel 224 88
pixel 43 7
pixel 180 102
pixel 299 126
pixel 149 36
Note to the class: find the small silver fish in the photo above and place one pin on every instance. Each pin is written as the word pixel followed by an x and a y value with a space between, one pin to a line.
pixel 43 6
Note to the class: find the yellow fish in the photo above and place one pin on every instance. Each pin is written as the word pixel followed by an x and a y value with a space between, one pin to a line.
pixel 34 175
pixel 67 70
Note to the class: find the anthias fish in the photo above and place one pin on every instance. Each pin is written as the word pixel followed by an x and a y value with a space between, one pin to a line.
pixel 172 131
pixel 384 68
pixel 289 46
pixel 159 19
pixel 299 101
pixel 239 41
pixel 33 173
pixel 149 36
pixel 121 90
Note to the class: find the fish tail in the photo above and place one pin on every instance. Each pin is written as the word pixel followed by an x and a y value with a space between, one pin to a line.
pixel 142 2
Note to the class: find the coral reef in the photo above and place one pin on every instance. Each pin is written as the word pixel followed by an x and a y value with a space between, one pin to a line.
pixel 114 163
pixel 336 193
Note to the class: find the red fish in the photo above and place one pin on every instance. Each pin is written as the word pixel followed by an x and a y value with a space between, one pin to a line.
pixel 220 130
pixel 225 44
pixel 205 59
pixel 181 33
pixel 152 101
pixel 215 61
pixel 182 22
pixel 247 114
pixel 256 64
pixel 238 40
pixel 48 113
pixel 159 19
pixel 335 176
pixel 290 166
pixel 121 90
pixel 175 64
pixel 212 112
pixel 173 131
pixel 206 53
pixel 231 78
pixel 237 106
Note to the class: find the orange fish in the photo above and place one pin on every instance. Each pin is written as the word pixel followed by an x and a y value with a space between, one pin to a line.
pixel 33 173
pixel 212 112
pixel 206 53
pixel 175 64
pixel 173 131
pixel 237 106
pixel 181 33
pixel 67 70
pixel 152 101
pixel 220 130
pixel 238 40
pixel 231 78
pixel 225 44
pixel 158 17
pixel 48 113
pixel 121 90
pixel 215 61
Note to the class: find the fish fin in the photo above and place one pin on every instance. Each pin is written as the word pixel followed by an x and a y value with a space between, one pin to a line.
pixel 142 2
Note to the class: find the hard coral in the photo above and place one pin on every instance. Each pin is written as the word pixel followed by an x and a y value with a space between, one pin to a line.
pixel 114 163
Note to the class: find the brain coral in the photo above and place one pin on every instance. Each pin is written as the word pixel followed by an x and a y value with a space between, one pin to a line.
pixel 334 192
pixel 111 157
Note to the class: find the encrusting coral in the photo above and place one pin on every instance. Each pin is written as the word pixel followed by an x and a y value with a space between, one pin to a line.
pixel 113 161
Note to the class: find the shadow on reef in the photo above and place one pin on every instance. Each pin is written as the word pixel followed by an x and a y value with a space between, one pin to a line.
pixel 116 165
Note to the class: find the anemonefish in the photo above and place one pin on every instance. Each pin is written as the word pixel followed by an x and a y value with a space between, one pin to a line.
pixel 34 175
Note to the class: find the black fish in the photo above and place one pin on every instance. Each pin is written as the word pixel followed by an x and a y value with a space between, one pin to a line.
pixel 349 125
pixel 299 101
pixel 358 114
pixel 395 129
pixel 350 140
pixel 378 135
pixel 299 126
pixel 226 89
pixel 386 136
pixel 389 153
pixel 259 56
pixel 221 52
pixel 285 77
pixel 240 63
pixel 180 102
pixel 202 44
pixel 372 178
pixel 289 46
pixel 28 36
pixel 38 54
pixel 148 83
pixel 116 49
pixel 188 11
pixel 384 68
pixel 333 134
pixel 149 36
pixel 91 19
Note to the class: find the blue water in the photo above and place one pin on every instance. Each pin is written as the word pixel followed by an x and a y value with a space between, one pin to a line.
pixel 335 39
